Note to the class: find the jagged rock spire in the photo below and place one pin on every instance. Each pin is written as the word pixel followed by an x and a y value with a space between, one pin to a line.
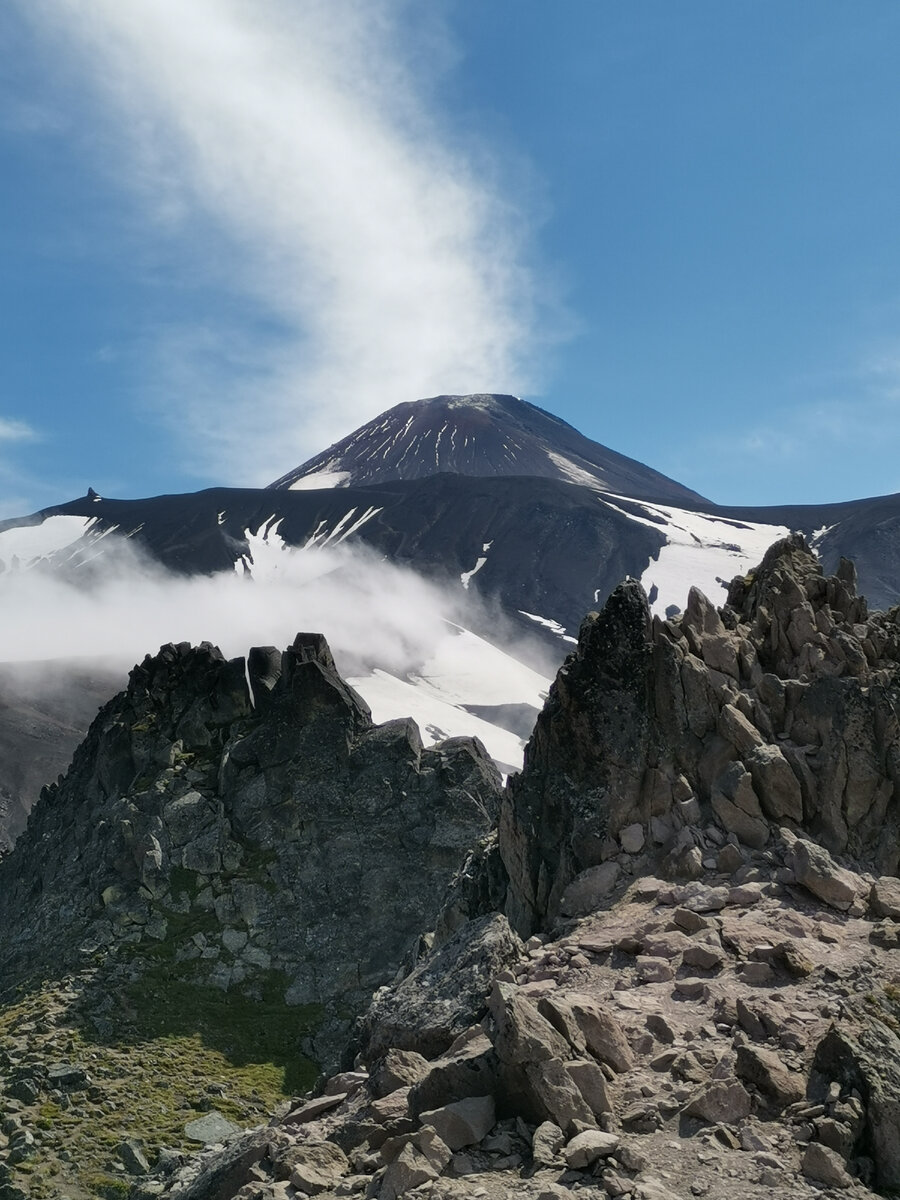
pixel 779 710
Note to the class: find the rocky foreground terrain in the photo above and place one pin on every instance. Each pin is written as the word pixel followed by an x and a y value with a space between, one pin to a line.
pixel 671 969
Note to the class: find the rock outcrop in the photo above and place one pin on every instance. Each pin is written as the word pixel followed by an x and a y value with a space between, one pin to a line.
pixel 779 711
pixel 247 822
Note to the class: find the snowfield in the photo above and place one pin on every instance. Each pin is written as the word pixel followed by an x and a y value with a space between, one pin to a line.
pixel 28 543
pixel 701 551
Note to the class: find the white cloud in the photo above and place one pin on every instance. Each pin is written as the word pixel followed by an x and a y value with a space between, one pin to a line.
pixel 383 253
pixel 397 635
pixel 15 431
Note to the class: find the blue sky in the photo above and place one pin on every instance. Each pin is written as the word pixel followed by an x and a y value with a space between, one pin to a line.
pixel 228 239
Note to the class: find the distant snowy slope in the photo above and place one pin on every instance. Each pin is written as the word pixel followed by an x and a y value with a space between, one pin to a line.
pixel 25 544
pixel 701 550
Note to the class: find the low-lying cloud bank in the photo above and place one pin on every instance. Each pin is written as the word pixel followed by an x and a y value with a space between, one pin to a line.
pixel 390 628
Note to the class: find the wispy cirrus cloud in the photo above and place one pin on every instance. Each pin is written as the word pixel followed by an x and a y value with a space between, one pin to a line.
pixel 377 258
pixel 12 430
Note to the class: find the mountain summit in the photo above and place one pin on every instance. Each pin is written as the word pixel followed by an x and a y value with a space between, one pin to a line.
pixel 480 435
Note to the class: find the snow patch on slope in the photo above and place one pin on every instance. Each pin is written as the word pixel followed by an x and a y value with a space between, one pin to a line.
pixel 390 697
pixel 320 479
pixel 465 576
pixel 464 669
pixel 574 473
pixel 29 543
pixel 553 626
pixel 701 551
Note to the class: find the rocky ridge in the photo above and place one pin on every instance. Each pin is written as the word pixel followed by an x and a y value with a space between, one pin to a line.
pixel 701 856
pixel 246 825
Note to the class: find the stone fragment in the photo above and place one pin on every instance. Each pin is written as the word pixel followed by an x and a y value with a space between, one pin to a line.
pixel 587 1024
pixel 765 1069
pixel 752 831
pixel 690 921
pixel 825 1166
pixel 884 897
pixel 585 1148
pixel 391 1107
pixel 692 989
pixel 721 1100
pixel 396 1069
pixel 67 1077
pixel 346 1083
pixel 314 1108
pixel 660 1028
pixel 409 1169
pixel 817 871
pixel 587 891
pixel 743 895
pixel 316 1166
pixel 789 955
pixel 666 945
pixel 706 957
pixel 654 970
pixel 462 1123
pixel 591 1082
pixel 547 1144
pixel 212 1127
pixel 631 838
pixel 131 1155
pixel 734 727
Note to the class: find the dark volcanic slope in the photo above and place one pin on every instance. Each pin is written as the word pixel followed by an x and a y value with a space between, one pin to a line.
pixel 484 435
pixel 554 545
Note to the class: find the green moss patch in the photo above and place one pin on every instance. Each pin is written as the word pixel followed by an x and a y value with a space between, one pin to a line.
pixel 159 1051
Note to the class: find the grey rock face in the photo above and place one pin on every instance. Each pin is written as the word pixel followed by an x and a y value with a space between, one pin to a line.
pixel 783 710
pixel 866 1059
pixel 278 832
pixel 445 994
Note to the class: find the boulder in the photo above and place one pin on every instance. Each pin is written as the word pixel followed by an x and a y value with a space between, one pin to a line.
pixel 413 1166
pixel 541 1092
pixel 463 1122
pixel 522 1034
pixel 586 1148
pixel 396 1069
pixel 591 1082
pixel 721 1101
pixel 470 1069
pixel 776 785
pixel 316 1166
pixel 884 898
pixel 866 1059
pixel 547 1144
pixel 588 1025
pixel 444 994
pixel 766 1071
pixel 825 1166
pixel 817 871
